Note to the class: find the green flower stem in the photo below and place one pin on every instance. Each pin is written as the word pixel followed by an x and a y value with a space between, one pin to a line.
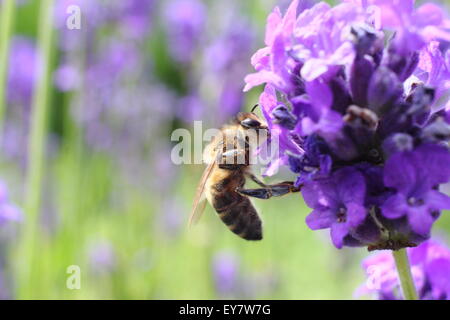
pixel 6 26
pixel 28 250
pixel 404 273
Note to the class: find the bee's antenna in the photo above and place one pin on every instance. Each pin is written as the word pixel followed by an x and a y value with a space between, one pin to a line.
pixel 254 107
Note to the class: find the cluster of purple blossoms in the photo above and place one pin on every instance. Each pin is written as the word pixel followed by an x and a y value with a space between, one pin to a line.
pixel 430 267
pixel 358 97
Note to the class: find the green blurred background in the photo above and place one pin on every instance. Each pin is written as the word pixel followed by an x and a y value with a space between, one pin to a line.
pixel 106 196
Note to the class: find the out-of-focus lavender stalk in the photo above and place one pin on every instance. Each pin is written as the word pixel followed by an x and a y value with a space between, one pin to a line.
pixel 6 24
pixel 36 149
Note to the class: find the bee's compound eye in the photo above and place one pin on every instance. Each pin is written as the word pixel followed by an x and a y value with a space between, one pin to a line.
pixel 250 123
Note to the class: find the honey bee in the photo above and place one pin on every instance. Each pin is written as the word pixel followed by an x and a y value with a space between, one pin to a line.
pixel 228 166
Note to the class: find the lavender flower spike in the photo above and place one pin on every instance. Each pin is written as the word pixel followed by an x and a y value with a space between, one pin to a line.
pixel 358 96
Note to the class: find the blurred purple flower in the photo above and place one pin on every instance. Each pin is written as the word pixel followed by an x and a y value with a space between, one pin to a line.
pixel 117 58
pixel 131 17
pixel 67 78
pixel 23 70
pixel 430 267
pixel 93 14
pixel 110 110
pixel 226 273
pixel 231 281
pixel 8 211
pixel 260 285
pixel 171 217
pixel 102 257
pixel 226 59
pixel 116 90
pixel 135 17
pixel 190 108
pixel 184 21
pixel 112 79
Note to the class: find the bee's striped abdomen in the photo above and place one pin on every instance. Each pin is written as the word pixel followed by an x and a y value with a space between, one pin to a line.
pixel 238 213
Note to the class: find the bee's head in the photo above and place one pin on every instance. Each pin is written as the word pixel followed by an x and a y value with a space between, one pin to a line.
pixel 250 123
pixel 249 120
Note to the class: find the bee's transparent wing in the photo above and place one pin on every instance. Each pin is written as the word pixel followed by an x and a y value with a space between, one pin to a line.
pixel 200 200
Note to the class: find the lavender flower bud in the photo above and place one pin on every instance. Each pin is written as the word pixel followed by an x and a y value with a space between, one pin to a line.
pixel 437 131
pixel 284 117
pixel 384 89
pixel 398 142
pixel 361 74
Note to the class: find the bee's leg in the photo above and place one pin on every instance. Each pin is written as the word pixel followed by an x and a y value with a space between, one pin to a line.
pixel 275 190
pixel 256 180
pixel 232 159
pixel 262 193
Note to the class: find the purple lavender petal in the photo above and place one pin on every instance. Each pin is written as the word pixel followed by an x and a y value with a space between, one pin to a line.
pixel 399 172
pixel 320 219
pixel 338 232
pixel 438 201
pixel 394 207
pixel 420 221
pixel 356 214
pixel 351 186
pixel 320 194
